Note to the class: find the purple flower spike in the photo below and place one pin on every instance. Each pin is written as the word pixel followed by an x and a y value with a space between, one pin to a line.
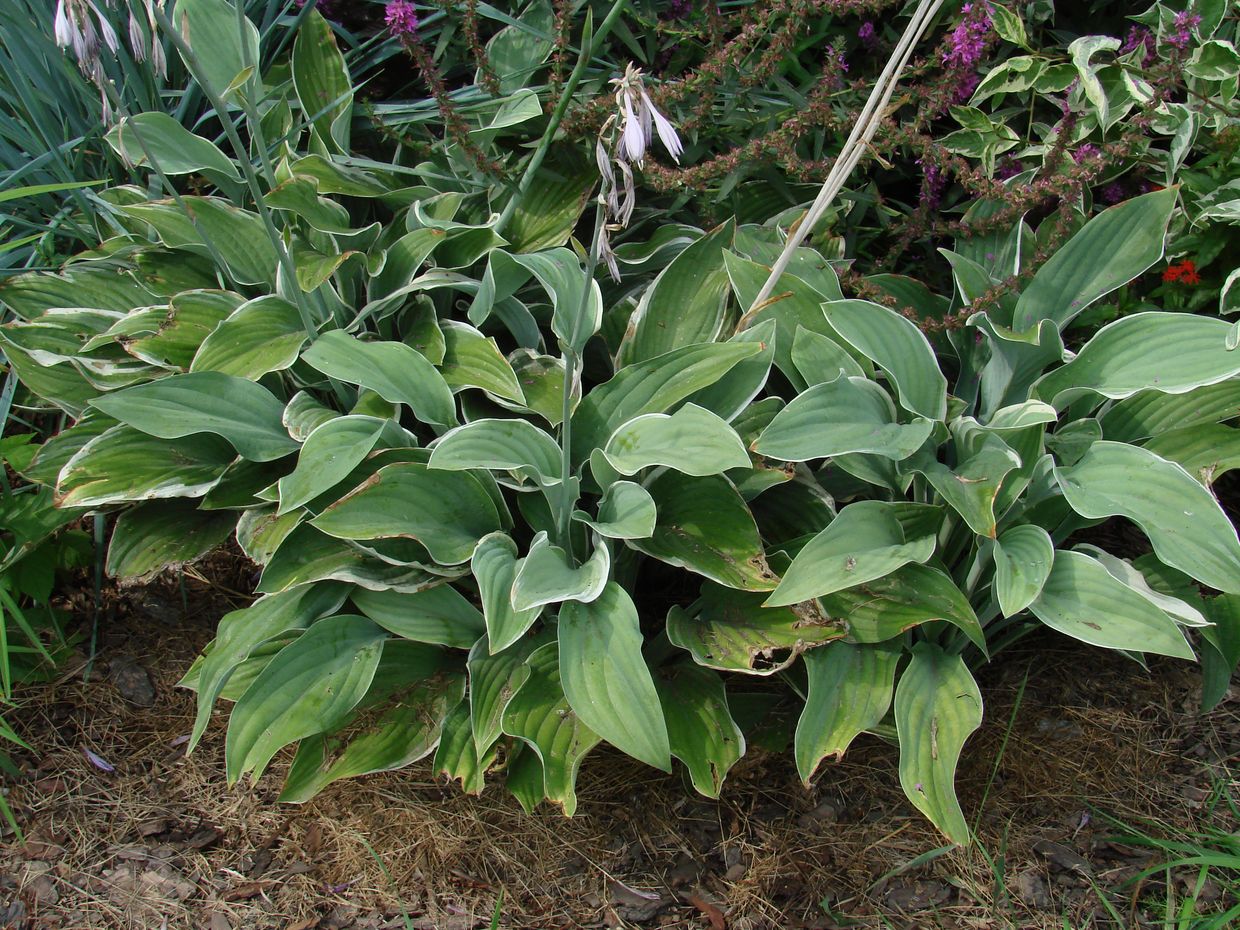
pixel 401 18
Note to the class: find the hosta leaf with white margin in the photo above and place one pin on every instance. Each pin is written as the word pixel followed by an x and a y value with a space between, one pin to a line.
pixel 223 47
pixel 1149 413
pixel 389 730
pixel 174 148
pixel 1182 519
pixel 687 304
pixel 700 730
pixel 457 755
pixel 331 451
pixel 938 705
pixel 797 306
pixel 819 358
pixel 626 511
pixel 175 333
pixel 705 526
pixel 238 235
pixel 605 677
pixel 440 615
pixel 1221 648
pixel 155 535
pixel 547 577
pixel 841 417
pixel 908 597
pixel 973 485
pixel 539 715
pixel 691 440
pixel 506 445
pixel 865 541
pixel 447 512
pixel 542 383
pixel 241 631
pixel 732 631
pixel 322 83
pixel 1178 610
pixel 1172 353
pixel 393 370
pixel 303 414
pixel 472 360
pixel 573 320
pixel 850 687
pixel 241 411
pixel 308 688
pixel 262 335
pixel 1083 600
pixel 307 555
pixel 1109 251
pixel 495 566
pixel 653 386
pixel 1023 556
pixel 736 390
pixel 899 348
pixel 124 464
pixel 260 531
pixel 300 197
pixel 1206 451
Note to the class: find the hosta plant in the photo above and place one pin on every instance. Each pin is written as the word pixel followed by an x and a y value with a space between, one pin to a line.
pixel 507 509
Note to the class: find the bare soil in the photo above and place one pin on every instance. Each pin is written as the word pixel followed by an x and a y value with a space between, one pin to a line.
pixel 161 841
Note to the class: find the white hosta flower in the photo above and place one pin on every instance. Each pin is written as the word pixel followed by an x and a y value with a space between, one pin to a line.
pixel 640 120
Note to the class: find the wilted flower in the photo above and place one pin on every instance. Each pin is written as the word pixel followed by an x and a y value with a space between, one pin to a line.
pixel 638 115
pixel 401 18
pixel 621 144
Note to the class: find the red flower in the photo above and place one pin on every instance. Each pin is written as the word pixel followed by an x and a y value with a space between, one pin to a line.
pixel 1185 272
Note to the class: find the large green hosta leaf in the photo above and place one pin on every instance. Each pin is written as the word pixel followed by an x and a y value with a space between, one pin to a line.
pixel 223 47
pixel 687 303
pixel 447 512
pixel 440 615
pixel 306 555
pixel 705 526
pixel 1184 522
pixel 546 576
pixel 507 445
pixel 495 566
pixel 605 677
pixel 1172 353
pixel 1023 557
pixel 938 705
pixel 1083 600
pixel 541 717
pixel 261 336
pixel 393 370
pixel 626 511
pixel 691 440
pixel 321 80
pixel 242 631
pixel 174 148
pixel 840 417
pixel 850 688
pixel 159 534
pixel 653 386
pixel 1206 451
pixel 1149 413
pixel 908 597
pixel 331 451
pixel 124 464
pixel 474 360
pixel 971 488
pixel 733 632
pixel 574 319
pixel 397 732
pixel 1112 249
pixel 700 729
pixel 897 346
pixel 238 235
pixel 309 687
pixel 865 541
pixel 495 676
pixel 241 411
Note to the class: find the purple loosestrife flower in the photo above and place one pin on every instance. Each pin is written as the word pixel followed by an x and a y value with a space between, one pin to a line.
pixel 1112 193
pixel 401 18
pixel 1008 168
pixel 932 184
pixel 1185 23
pixel 968 39
pixel 679 9
pixel 1088 150
pixel 1140 37
pixel 867 35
